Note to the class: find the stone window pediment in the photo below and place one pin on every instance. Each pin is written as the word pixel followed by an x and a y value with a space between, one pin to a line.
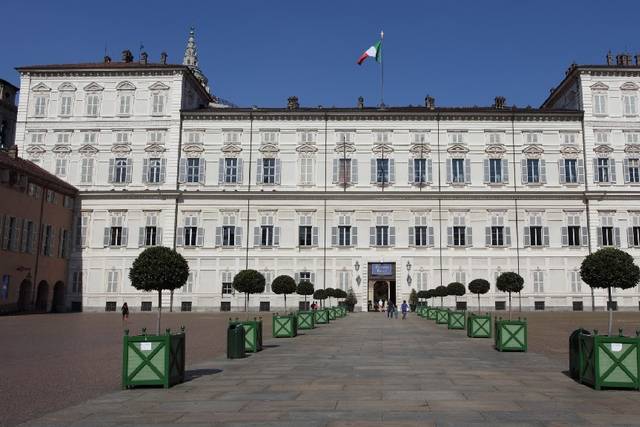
pixel 599 86
pixel 158 86
pixel 420 149
pixel 457 150
pixel 41 87
pixel 125 86
pixel 88 150
pixel 307 148
pixel 155 148
pixel 632 149
pixel 603 150
pixel 533 151
pixel 93 87
pixel 382 149
pixel 269 149
pixel 231 150
pixel 345 147
pixel 570 152
pixel 629 86
pixel 193 149
pixel 66 87
pixel 61 149
pixel 121 149
pixel 495 151
pixel 36 150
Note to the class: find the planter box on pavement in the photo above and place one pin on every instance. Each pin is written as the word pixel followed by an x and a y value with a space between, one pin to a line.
pixel 511 335
pixel 321 316
pixel 442 316
pixel 252 334
pixel 284 326
pixel 479 326
pixel 432 313
pixel 457 320
pixel 306 320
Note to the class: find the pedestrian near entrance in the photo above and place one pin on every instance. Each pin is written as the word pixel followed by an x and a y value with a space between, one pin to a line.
pixel 381 305
pixel 125 312
pixel 395 310
pixel 405 309
pixel 389 310
pixel 314 306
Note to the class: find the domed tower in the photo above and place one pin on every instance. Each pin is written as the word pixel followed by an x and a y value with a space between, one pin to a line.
pixel 191 59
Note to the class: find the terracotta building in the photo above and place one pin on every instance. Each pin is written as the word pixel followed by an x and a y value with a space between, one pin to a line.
pixel 36 217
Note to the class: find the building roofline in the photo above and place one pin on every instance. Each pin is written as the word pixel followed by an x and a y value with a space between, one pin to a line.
pixel 37 174
pixel 4 82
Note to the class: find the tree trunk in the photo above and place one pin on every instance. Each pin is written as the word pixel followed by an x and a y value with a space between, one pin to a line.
pixel 593 301
pixel 441 302
pixel 246 297
pixel 519 301
pixel 509 305
pixel 609 309
pixel 285 303
pixel 159 310
pixel 171 302
pixel 479 309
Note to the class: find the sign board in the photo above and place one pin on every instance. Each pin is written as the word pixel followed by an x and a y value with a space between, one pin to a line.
pixel 4 287
pixel 382 270
pixel 145 346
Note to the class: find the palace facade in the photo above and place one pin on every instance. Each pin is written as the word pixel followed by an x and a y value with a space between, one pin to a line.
pixel 380 200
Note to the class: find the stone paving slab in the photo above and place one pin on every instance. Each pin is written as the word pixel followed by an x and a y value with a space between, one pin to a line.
pixel 366 370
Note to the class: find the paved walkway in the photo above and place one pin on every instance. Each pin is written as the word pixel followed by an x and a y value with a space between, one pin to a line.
pixel 366 370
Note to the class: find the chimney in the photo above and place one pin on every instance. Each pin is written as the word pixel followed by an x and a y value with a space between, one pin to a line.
pixel 292 103
pixel 499 102
pixel 127 56
pixel 107 59
pixel 144 57
pixel 163 58
pixel 360 102
pixel 13 151
pixel 430 102
pixel 609 58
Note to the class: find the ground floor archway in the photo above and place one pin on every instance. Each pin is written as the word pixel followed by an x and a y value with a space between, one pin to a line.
pixel 57 304
pixel 42 296
pixel 24 295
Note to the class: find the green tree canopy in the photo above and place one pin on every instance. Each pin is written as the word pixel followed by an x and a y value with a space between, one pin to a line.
pixel 413 297
pixel 456 288
pixel 478 287
pixel 283 285
pixel 351 299
pixel 339 293
pixel 510 282
pixel 320 294
pixel 156 269
pixel 423 295
pixel 248 282
pixel 305 288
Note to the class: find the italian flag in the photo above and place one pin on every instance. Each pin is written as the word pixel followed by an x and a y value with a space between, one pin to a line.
pixel 374 51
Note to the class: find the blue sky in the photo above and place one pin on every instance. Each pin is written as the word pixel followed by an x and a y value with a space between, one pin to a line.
pixel 260 52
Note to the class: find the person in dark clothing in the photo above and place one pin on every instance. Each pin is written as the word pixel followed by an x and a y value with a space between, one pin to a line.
pixel 125 311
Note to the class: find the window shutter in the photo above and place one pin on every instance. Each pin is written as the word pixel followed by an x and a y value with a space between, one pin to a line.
pixel 145 170
pixel 485 163
pixel 545 236
pixel 141 237
pixel 313 277
pixel 430 235
pixel 507 236
pixel 202 171
pixel 543 171
pixel 276 236
pixel 354 171
pixel 218 236
pixel 180 236
pixel 200 236
pixel 467 171
pixel 60 243
pixel 354 236
pixel 51 242
pixel 469 236
pixel 584 236
pixel 429 170
pixel 392 171
pixel 129 170
pixel 314 236
pixel 296 277
pixel 616 236
pixel 105 242
pixel 625 169
pixel 595 171
pixel 238 236
pixel 373 171
pixel 335 171
pixel 612 171
pixel 449 170
pixel 450 236
pixel 258 171
pixel 256 236
pixel 561 171
pixel 163 170
pixel 182 176
pixel 505 171
pixel 25 235
pixel 278 171
pixel 159 236
pixel 412 236
pixel 410 178
pixel 125 237
pixel 112 169
pixel 565 236
pixel 372 236
pixel 334 236
pixel 599 236
pixel 392 236
pixel 487 236
pixel 220 172
pixel 523 167
pixel 240 170
pixel 630 237
pixel 580 171
pixel 527 236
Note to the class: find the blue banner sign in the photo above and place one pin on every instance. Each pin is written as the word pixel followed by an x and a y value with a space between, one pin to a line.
pixel 385 269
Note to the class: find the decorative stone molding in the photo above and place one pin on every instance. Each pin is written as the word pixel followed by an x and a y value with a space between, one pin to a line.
pixel 61 149
pixel 36 150
pixel 533 151
pixel 155 148
pixel 345 147
pixel 629 86
pixel 231 150
pixel 420 150
pixel 599 86
pixel 632 148
pixel 495 151
pixel 570 151
pixel 41 87
pixel 158 86
pixel 269 150
pixel 88 150
pixel 121 149
pixel 306 148
pixel 193 150
pixel 66 87
pixel 93 87
pixel 603 150
pixel 457 150
pixel 125 85
pixel 382 149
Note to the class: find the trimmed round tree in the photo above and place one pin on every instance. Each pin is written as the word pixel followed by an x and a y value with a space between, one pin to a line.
pixel 157 269
pixel 456 289
pixel 441 291
pixel 320 295
pixel 479 287
pixel 423 295
pixel 413 299
pixel 283 285
pixel 510 282
pixel 339 294
pixel 351 299
pixel 610 268
pixel 248 282
pixel 329 293
pixel 305 288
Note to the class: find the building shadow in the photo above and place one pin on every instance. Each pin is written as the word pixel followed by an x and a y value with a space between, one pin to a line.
pixel 194 374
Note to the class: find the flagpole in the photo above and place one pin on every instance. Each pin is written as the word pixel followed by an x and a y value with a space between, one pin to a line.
pixel 381 71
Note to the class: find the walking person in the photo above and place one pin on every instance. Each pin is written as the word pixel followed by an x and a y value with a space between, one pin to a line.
pixel 125 312
pixel 381 305
pixel 395 310
pixel 405 309
pixel 389 310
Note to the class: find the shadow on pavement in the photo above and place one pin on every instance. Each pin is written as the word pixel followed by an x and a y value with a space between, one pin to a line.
pixel 197 373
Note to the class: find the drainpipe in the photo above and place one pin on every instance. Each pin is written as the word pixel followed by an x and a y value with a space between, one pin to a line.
pixel 586 204
pixel 38 247
pixel 439 198
pixel 246 254
pixel 515 201
pixel 324 243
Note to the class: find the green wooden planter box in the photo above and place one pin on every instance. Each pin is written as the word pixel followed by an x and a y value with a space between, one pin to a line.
pixel 432 313
pixel 422 311
pixel 457 320
pixel 479 326
pixel 153 359
pixel 511 335
pixel 343 311
pixel 321 316
pixel 442 316
pixel 252 334
pixel 331 311
pixel 284 326
pixel 306 320
pixel 609 361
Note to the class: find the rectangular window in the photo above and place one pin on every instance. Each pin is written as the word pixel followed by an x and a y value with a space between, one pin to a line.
pixel 93 105
pixel 633 170
pixel 495 170
pixel 344 235
pixel 145 306
pixel 306 171
pixel 535 233
pixel 228 235
pixel 305 276
pixel 268 171
pixel 51 196
pixel 153 173
pixel 121 169
pixel 190 230
pixel 603 170
pixel 113 278
pixel 304 235
pixel 382 235
pixel 155 137
pixel 538 282
pixel 602 137
pixel 307 137
pixel 635 236
pixel 495 138
pixel 40 106
pixel 158 101
pixel 64 244
pixel 76 282
pixel 382 171
pixel 61 167
pixel 150 235
pixel 116 236
pixel 82 229
pixel 266 235
pixel 422 235
pixel 568 138
pixel 607 236
pixel 459 237
pixel 230 171
pixel 270 137
pixel 576 282
pixel 419 171
pixel 29 238
pixel 37 137
pixel 573 234
pixel 599 103
pixel 110 306
pixel 632 137
pixel 382 136
pixel 231 137
pixel 630 105
pixel 497 236
pixel 117 230
pixel 227 283
pixel 533 170
pixel 457 170
pixel 86 172
pixel 419 137
pixel 124 104
pixel 570 171
pixel 457 138
pixel 63 137
pixel 66 102
pixel 193 170
pixel 344 171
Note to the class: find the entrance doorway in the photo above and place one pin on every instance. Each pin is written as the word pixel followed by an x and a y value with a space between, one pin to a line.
pixel 24 296
pixel 42 296
pixel 382 284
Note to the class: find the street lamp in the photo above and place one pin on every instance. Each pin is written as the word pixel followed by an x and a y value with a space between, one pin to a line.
pixel 408 265
pixel 357 266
